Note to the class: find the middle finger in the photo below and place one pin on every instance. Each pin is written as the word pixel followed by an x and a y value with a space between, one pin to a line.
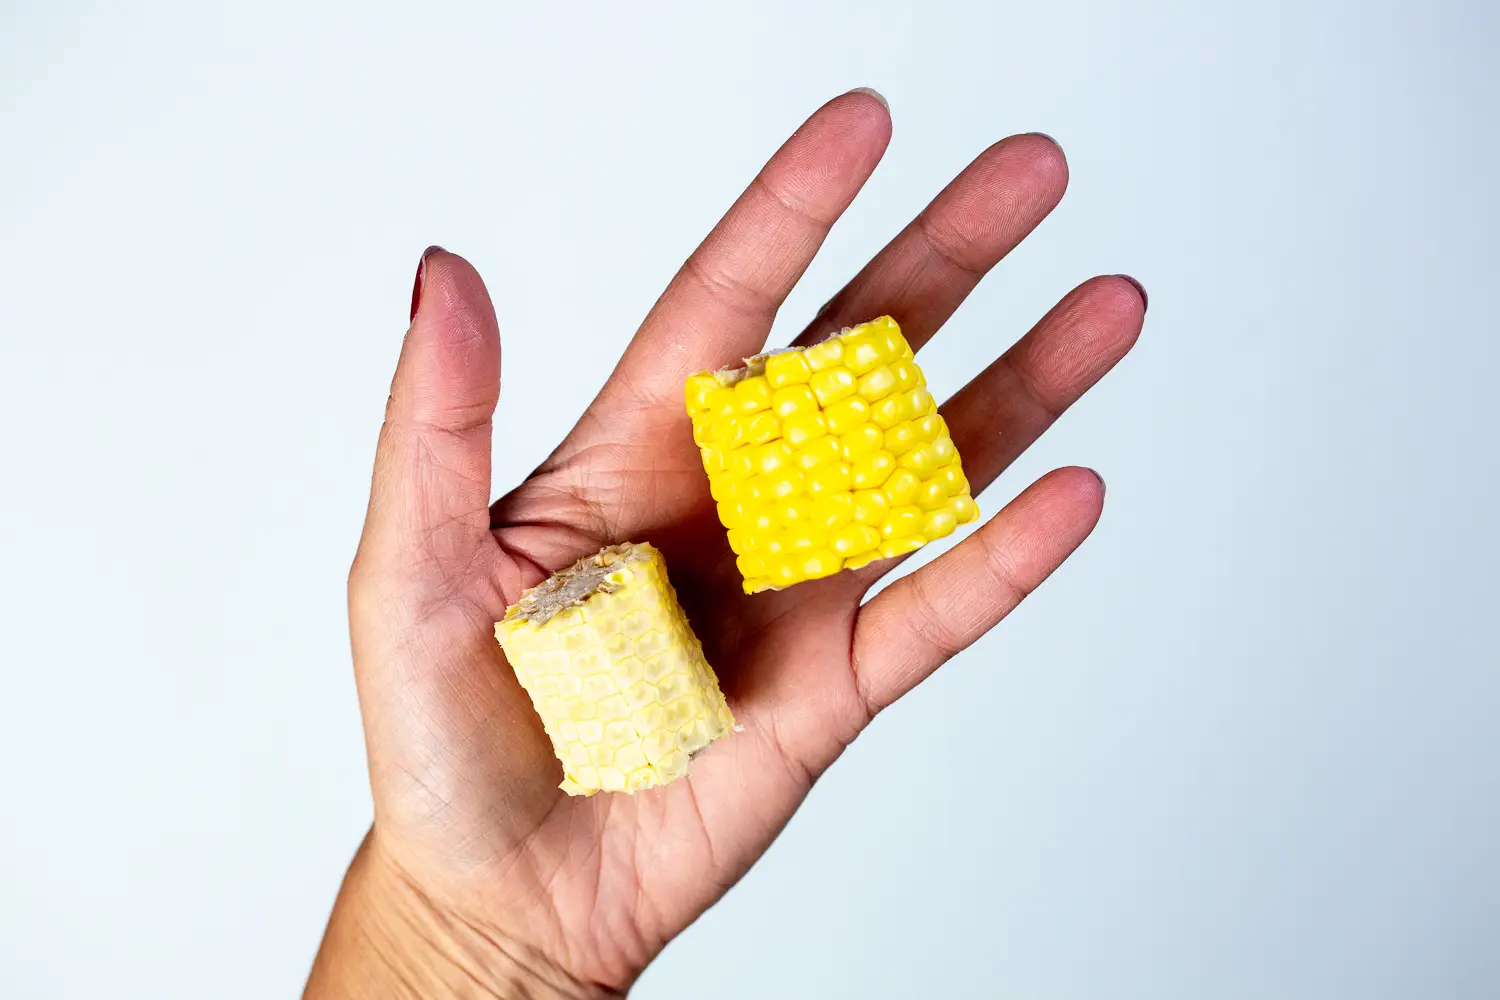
pixel 932 265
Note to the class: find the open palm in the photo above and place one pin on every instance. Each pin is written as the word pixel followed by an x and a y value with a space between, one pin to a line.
pixel 586 891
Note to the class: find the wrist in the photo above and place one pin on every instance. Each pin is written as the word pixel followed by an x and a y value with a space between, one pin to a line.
pixel 387 938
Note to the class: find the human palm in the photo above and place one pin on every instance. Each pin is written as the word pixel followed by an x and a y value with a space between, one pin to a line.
pixel 583 892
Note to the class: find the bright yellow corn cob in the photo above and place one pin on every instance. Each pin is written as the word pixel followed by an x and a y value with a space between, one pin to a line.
pixel 615 671
pixel 827 457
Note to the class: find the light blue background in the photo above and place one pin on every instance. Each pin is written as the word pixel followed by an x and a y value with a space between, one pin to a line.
pixel 1243 746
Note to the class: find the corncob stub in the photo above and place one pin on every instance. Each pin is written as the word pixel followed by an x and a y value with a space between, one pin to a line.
pixel 615 671
pixel 827 457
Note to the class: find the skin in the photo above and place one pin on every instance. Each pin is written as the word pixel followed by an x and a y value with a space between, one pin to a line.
pixel 479 877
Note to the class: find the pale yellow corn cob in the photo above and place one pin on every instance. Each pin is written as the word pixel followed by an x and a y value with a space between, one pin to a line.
pixel 615 672
pixel 828 457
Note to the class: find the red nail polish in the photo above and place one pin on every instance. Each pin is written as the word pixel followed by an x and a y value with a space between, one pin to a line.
pixel 416 288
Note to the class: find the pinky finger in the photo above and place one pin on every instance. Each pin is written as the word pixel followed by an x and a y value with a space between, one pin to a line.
pixel 919 622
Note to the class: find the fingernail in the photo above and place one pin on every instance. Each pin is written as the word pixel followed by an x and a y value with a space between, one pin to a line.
pixel 873 93
pixel 1140 288
pixel 416 288
pixel 1102 488
pixel 1044 135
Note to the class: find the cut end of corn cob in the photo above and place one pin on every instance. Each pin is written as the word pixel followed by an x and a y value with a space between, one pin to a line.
pixel 615 672
pixel 828 457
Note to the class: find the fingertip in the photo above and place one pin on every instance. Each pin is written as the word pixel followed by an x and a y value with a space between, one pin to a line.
pixel 862 112
pixel 1140 290
pixel 449 369
pixel 1082 482
pixel 1069 501
pixel 1046 158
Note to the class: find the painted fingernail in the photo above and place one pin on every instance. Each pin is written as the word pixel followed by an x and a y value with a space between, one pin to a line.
pixel 416 288
pixel 873 93
pixel 1140 288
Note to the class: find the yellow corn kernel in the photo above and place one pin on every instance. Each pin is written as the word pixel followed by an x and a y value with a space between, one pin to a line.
pixel 802 428
pixel 615 672
pixel 828 457
pixel 785 369
pixel 835 477
pixel 793 400
pixel 831 385
pixel 752 395
pixel 846 416
pixel 700 390
pixel 873 469
pixel 819 451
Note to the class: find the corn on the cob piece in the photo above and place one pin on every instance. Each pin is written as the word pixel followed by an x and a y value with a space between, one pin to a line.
pixel 827 457
pixel 615 671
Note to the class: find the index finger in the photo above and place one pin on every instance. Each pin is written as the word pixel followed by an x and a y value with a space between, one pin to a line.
pixel 719 307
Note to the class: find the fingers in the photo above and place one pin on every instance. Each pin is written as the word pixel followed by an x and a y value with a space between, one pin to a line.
pixel 919 622
pixel 719 307
pixel 923 274
pixel 1006 407
pixel 429 498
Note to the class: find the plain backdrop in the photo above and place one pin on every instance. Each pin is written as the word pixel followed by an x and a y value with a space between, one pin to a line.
pixel 1242 746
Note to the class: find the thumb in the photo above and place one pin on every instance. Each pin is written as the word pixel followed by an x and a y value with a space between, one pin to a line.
pixel 429 498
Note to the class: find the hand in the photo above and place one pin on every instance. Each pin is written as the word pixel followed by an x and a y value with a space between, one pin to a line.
pixel 479 877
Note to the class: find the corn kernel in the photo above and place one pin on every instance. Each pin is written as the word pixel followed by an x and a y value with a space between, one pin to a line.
pixel 930 495
pixel 919 403
pixel 787 369
pixel 832 385
pixel 903 521
pixel 792 400
pixel 952 478
pixel 825 458
pixel 732 513
pixel 752 395
pixel 616 674
pixel 854 539
pixel 964 508
pixel 871 506
pixel 863 440
pixel 700 390
pixel 939 522
pixel 908 375
pixel 901 546
pixel 772 456
pixel 815 453
pixel 828 354
pixel 820 563
pixel 831 478
pixel 903 438
pixel 873 469
pixel 803 427
pixel 902 487
pixel 793 511
pixel 877 384
pixel 889 412
pixel 713 458
pixel 723 487
pixel 863 350
pixel 762 428
pixel 832 509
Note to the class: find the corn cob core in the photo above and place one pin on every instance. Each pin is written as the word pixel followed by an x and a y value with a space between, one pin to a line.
pixel 615 671
pixel 827 457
